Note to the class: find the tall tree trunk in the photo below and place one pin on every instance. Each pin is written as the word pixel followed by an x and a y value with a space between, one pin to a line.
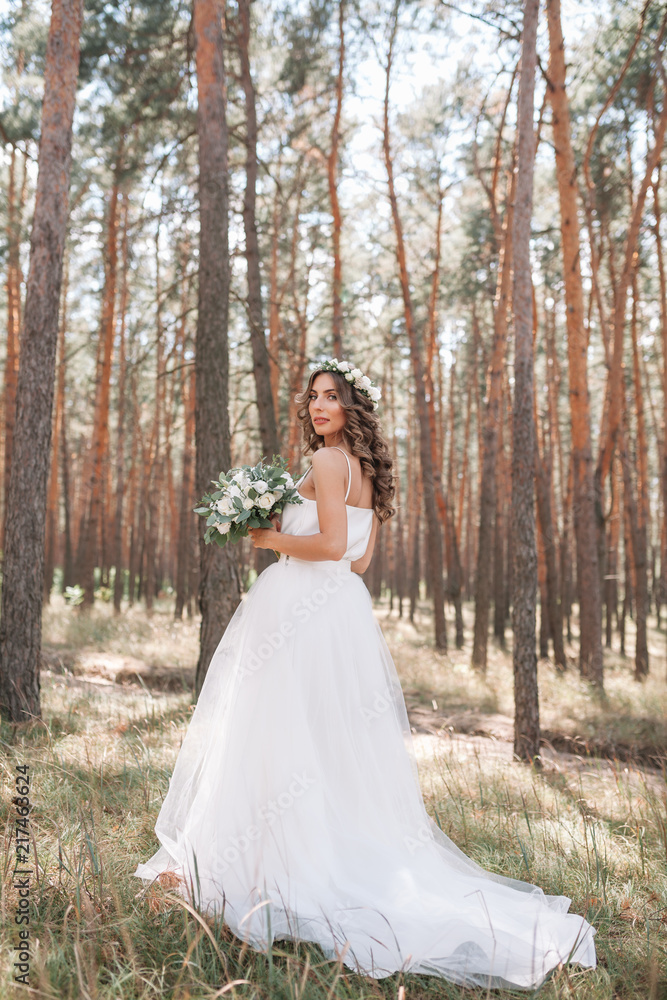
pixel 499 568
pixel 187 498
pixel 219 585
pixel 154 477
pixel 427 469
pixel 265 404
pixel 56 449
pixel 274 296
pixel 489 428
pixel 455 569
pixel 13 288
pixel 437 446
pixel 332 175
pixel 100 433
pixel 23 569
pixel 543 491
pixel 119 574
pixel 133 493
pixel 524 579
pixel 657 213
pixel 640 509
pixel 64 458
pixel 590 611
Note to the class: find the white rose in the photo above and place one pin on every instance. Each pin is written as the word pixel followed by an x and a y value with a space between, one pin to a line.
pixel 289 482
pixel 224 506
pixel 344 366
pixel 357 373
pixel 248 502
pixel 267 501
pixel 234 491
pixel 260 486
pixel 224 528
pixel 375 393
pixel 349 376
pixel 365 381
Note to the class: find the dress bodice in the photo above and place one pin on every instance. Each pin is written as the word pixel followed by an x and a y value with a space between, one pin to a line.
pixel 302 519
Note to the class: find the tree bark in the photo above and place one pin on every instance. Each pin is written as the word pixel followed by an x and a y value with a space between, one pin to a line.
pixel 117 557
pixel 100 433
pixel 52 533
pixel 64 459
pixel 428 471
pixel 489 429
pixel 543 490
pixel 662 276
pixel 640 508
pixel 524 579
pixel 590 612
pixel 332 172
pixel 13 287
pixel 219 585
pixel 23 569
pixel 265 404
pixel 499 568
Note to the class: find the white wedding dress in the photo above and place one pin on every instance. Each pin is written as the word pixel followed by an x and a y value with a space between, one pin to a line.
pixel 295 803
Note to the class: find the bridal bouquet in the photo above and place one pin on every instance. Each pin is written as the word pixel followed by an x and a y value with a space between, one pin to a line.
pixel 246 497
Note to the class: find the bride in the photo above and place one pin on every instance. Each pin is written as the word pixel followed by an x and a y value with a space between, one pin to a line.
pixel 294 810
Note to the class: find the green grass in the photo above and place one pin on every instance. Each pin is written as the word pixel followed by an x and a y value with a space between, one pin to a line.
pixel 101 759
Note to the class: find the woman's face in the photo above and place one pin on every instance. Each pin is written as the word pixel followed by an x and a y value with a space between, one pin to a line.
pixel 327 415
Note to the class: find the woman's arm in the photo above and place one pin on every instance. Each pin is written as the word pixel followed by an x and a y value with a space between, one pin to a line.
pixel 330 542
pixel 361 565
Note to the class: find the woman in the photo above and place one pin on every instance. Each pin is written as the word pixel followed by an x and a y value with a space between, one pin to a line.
pixel 294 808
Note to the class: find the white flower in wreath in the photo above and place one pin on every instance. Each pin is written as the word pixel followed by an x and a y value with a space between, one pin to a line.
pixel 357 373
pixel 349 376
pixel 267 501
pixel 375 393
pixel 344 366
pixel 365 382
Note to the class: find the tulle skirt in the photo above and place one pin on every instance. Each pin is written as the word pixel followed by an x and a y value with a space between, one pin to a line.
pixel 294 810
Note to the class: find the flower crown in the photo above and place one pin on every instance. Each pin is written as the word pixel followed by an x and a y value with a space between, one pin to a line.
pixel 355 377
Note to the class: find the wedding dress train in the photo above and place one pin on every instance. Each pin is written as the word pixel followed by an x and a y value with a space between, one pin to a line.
pixel 294 808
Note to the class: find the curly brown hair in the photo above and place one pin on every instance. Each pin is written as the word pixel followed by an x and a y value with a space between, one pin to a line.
pixel 362 434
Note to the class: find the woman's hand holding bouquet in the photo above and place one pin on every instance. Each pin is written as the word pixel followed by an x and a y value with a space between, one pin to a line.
pixel 245 499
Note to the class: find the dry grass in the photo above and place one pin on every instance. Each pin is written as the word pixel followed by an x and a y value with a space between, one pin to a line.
pixel 101 759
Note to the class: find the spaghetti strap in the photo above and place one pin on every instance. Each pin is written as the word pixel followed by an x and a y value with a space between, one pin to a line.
pixel 349 470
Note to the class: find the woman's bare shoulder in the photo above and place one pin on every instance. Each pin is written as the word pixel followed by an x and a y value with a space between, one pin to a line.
pixel 328 458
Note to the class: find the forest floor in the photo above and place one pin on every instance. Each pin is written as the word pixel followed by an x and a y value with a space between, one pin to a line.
pixel 591 823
